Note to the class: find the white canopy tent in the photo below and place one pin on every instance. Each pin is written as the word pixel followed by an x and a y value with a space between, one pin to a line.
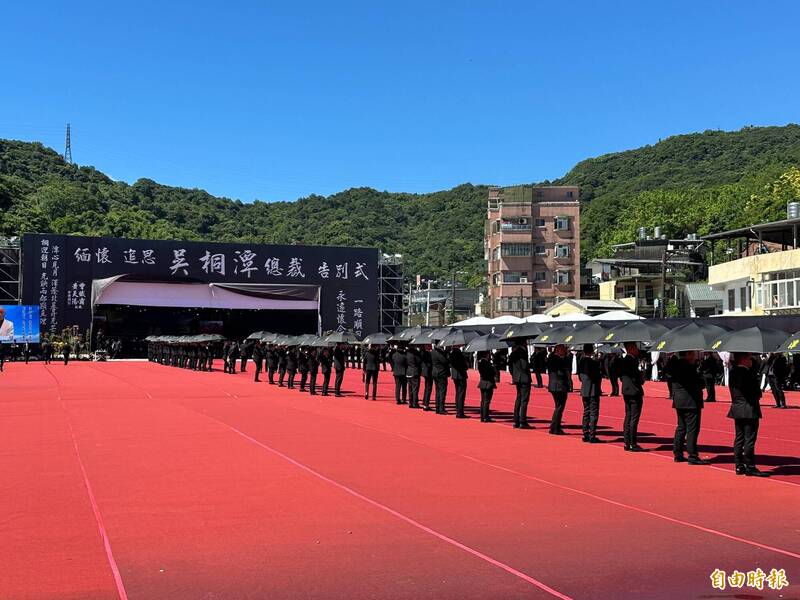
pixel 617 315
pixel 506 320
pixel 572 317
pixel 474 321
pixel 539 318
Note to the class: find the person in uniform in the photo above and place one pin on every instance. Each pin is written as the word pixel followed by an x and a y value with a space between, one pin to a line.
pixel 247 349
pixel 233 355
pixel 632 394
pixel 272 363
pixel 426 370
pixel 325 366
pixel 745 410
pixel 258 359
pixel 710 370
pixel 590 376
pixel 539 364
pixel 440 370
pixel 612 370
pixel 371 365
pixel 65 350
pixel 458 373
pixel 687 400
pixel 291 367
pixel 338 367
pixel 281 365
pixel 413 373
pixel 302 365
pixel 313 369
pixel 487 384
pixel 47 352
pixel 499 362
pixel 399 365
pixel 521 378
pixel 777 369
pixel 559 373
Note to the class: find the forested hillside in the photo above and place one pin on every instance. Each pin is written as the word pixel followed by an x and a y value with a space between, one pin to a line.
pixel 688 183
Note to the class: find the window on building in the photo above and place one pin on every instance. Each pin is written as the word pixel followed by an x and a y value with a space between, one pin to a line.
pixel 561 223
pixel 744 299
pixel 540 223
pixel 496 278
pixel 515 277
pixel 540 250
pixel 496 253
pixel 731 299
pixel 562 277
pixel 569 194
pixel 540 276
pixel 540 303
pixel 516 224
pixel 498 305
pixel 562 250
pixel 496 226
pixel 515 249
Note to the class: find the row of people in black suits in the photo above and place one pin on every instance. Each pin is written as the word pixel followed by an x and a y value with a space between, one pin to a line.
pixel 310 363
pixel 196 357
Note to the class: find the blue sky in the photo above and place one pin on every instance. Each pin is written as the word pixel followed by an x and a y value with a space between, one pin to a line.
pixel 280 100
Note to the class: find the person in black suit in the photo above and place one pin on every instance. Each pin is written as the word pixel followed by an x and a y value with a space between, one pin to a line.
pixel 632 394
pixel 338 367
pixel 426 370
pixel 669 367
pixel 486 384
pixel 247 348
pixel 233 354
pixel 559 373
pixel 399 365
pixel 612 368
pixel 272 363
pixel 440 369
pixel 258 359
pixel 413 373
pixel 371 365
pixel 710 370
pixel 313 370
pixel 66 350
pixel 499 362
pixel 325 362
pixel 458 373
pixel 743 382
pixel 302 366
pixel 291 367
pixel 282 352
pixel 539 364
pixel 47 352
pixel 687 400
pixel 521 378
pixel 591 377
pixel 777 369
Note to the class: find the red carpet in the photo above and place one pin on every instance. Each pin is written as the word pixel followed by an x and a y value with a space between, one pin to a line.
pixel 209 486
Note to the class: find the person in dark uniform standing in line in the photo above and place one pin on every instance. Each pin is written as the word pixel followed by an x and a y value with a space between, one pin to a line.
pixel 325 366
pixel 26 352
pixel 226 348
pixel 338 367
pixel 47 352
pixel 384 356
pixel 486 384
pixel 426 370
pixel 745 388
pixel 291 367
pixel 669 367
pixel 65 350
pixel 687 400
pixel 440 370
pixel 777 369
pixel 521 378
pixel 399 365
pixel 258 359
pixel 632 394
pixel 371 365
pixel 233 355
pixel 413 372
pixel 272 363
pixel 458 373
pixel 710 370
pixel 313 370
pixel 591 377
pixel 559 373
pixel 302 366
pixel 246 349
pixel 539 364
pixel 612 370
pixel 499 362
pixel 281 365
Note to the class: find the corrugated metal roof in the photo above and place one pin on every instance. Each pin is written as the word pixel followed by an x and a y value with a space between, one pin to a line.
pixel 702 292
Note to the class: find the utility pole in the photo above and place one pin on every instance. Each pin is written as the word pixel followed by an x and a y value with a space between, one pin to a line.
pixel 663 282
pixel 428 306
pixel 453 300
pixel 68 148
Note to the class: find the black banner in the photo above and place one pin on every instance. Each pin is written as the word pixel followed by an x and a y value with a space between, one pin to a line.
pixel 58 271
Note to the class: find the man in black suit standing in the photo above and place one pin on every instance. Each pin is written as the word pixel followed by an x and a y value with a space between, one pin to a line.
pixel 291 367
pixel 486 384
pixel 559 374
pixel 282 352
pixel 272 363
pixel 440 370
pixel 612 370
pixel 710 369
pixel 539 364
pixel 371 365
pixel 325 362
pixel 632 394
pixel 258 359
pixel 458 373
pixel 399 365
pixel 777 370
pixel 521 378
pixel 338 367
pixel 302 366
pixel 413 372
pixel 233 354
pixel 590 374
pixel 426 370
pixel 313 369
pixel 687 400
pixel 745 411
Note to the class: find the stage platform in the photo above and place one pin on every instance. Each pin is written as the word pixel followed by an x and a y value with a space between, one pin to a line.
pixel 135 480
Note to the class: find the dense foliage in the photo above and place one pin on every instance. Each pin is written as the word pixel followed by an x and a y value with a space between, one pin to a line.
pixel 689 183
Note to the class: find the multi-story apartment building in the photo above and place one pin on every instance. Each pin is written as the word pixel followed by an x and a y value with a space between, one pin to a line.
pixel 532 247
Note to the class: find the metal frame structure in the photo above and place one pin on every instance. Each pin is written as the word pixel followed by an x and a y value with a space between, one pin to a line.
pixel 391 295
pixel 10 272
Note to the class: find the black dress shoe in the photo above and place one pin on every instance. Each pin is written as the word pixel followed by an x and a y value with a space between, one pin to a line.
pixel 741 470
pixel 679 458
pixel 698 461
pixel 525 426
pixel 516 425
pixel 427 408
pixel 637 448
pixel 627 448
pixel 488 420
pixel 753 472
pixel 595 440
pixel 585 439
pixel 462 417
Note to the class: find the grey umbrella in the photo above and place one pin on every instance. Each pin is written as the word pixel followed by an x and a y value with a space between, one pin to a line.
pixel 523 331
pixel 691 336
pixel 790 345
pixel 485 343
pixel 342 337
pixel 459 337
pixel 556 335
pixel 375 339
pixel 753 339
pixel 439 334
pixel 634 331
pixel 588 334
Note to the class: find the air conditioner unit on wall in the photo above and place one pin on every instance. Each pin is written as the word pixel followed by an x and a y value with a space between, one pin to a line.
pixel 523 280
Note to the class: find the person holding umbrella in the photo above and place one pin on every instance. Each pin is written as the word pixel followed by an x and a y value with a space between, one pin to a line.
pixel 590 375
pixel 632 394
pixel 521 378
pixel 487 384
pixel 313 370
pixel 399 366
pixel 325 366
pixel 745 411
pixel 458 373
pixel 687 400
pixel 371 365
pixel 710 369
pixel 440 369
pixel 291 367
pixel 413 372
pixel 427 375
pixel 338 367
pixel 559 373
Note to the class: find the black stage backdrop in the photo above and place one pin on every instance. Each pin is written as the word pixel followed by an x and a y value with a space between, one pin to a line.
pixel 58 270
